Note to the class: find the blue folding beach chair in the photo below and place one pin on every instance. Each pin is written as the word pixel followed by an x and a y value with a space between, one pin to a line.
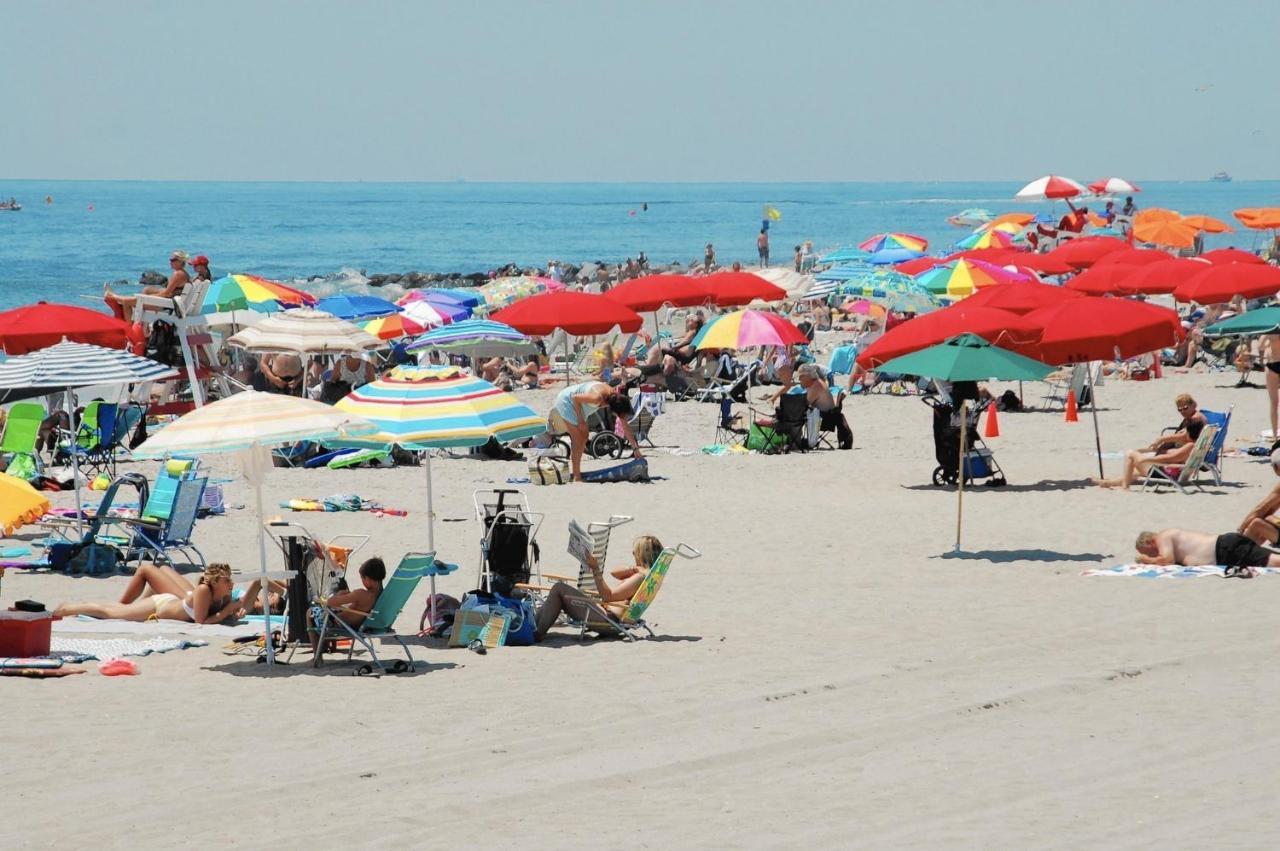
pixel 168 519
pixel 1213 461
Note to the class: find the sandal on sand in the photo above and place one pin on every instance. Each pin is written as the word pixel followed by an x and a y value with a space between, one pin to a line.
pixel 1239 571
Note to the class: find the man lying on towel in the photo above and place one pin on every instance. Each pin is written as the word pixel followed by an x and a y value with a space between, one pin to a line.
pixel 1192 549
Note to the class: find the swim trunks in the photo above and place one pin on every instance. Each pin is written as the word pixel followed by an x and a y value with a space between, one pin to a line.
pixel 1235 550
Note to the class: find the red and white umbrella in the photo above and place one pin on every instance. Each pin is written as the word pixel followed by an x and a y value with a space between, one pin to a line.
pixel 1113 186
pixel 1050 186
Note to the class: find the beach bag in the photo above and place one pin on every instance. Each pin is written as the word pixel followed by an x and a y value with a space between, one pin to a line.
pixel 548 470
pixel 764 439
pixel 93 559
pixel 446 608
pixel 635 470
pixel 163 344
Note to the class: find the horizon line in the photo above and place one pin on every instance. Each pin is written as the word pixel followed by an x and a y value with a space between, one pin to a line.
pixel 454 181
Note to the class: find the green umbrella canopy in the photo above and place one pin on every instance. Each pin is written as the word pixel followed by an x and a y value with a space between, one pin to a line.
pixel 968 357
pixel 1265 320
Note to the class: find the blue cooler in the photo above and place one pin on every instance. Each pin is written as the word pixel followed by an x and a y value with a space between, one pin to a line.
pixel 977 463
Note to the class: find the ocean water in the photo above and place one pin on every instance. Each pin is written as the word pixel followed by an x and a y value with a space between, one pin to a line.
pixel 98 231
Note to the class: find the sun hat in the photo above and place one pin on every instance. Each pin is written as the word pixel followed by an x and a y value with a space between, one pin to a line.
pixel 178 254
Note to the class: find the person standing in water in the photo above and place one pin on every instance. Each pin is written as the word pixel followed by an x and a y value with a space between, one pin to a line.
pixel 762 247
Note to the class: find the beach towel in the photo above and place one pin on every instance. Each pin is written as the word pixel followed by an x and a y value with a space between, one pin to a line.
pixel 1154 571
pixel 93 626
pixel 110 648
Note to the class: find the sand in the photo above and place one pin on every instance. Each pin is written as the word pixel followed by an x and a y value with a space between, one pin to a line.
pixel 827 674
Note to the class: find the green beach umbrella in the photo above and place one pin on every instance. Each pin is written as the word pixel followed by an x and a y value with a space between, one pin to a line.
pixel 1265 320
pixel 967 357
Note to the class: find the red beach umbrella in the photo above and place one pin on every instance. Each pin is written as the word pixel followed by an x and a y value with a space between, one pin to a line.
pixel 40 325
pixel 1133 257
pixel 730 289
pixel 1100 280
pixel 1045 264
pixel 920 264
pixel 998 327
pixel 1087 329
pixel 1021 298
pixel 1231 255
pixel 1083 251
pixel 1160 278
pixel 653 291
pixel 999 256
pixel 1113 186
pixel 1220 284
pixel 581 314
pixel 1050 186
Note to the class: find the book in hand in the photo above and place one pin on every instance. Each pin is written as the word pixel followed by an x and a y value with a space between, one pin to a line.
pixel 580 543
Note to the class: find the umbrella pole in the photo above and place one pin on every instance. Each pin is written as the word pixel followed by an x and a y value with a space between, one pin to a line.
pixel 566 360
pixel 431 535
pixel 1093 407
pixel 964 421
pixel 75 460
pixel 262 579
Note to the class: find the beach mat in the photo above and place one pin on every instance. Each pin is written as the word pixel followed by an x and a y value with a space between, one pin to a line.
pixel 94 626
pixel 1154 571
pixel 113 648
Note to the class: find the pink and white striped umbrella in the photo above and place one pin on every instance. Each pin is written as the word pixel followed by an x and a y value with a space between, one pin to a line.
pixel 1113 186
pixel 1050 186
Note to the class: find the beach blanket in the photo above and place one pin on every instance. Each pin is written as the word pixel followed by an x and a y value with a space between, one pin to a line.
pixel 91 626
pixel 112 648
pixel 1153 571
pixel 341 502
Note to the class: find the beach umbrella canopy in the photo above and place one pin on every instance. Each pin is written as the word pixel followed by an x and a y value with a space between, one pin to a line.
pixel 1021 298
pixel 507 290
pixel 991 238
pixel 930 329
pixel 251 292
pixel 20 504
pixel 1082 252
pixel 744 329
pixel 1044 264
pixel 1132 257
pixel 1259 218
pixel 581 314
pixel 846 272
pixel 884 241
pixel 250 423
pixel 653 291
pixel 67 365
pixel 392 327
pixel 1089 329
pixel 794 283
pixel 37 326
pixel 1156 214
pixel 1048 187
pixel 1231 255
pixel 961 277
pixel 1265 320
pixel 305 331
pixel 888 256
pixel 356 306
pixel 1100 280
pixel 1208 224
pixel 968 357
pixel 476 338
pixel 730 289
pixel 894 290
pixel 1221 283
pixel 1160 278
pixel 1113 186
pixel 1005 221
pixel 848 254
pixel 971 217
pixel 466 298
pixel 920 264
pixel 1173 233
pixel 433 314
pixel 863 307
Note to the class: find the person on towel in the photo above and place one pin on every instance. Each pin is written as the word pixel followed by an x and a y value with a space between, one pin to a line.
pixel 1194 549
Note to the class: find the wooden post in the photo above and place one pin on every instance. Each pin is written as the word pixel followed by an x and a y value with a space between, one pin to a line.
pixel 964 422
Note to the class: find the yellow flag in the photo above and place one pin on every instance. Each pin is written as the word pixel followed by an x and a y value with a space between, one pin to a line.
pixel 773 213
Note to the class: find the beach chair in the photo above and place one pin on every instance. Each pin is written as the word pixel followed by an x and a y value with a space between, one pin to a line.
pixel 1213 459
pixel 730 388
pixel 102 433
pixel 731 428
pixel 791 420
pixel 378 623
pixel 1075 381
pixel 167 520
pixel 647 406
pixel 830 423
pixel 22 433
pixel 631 625
pixel 1183 475
pixel 600 532
pixel 317 569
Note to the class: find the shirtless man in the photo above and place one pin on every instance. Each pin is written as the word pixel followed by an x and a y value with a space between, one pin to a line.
pixel 1191 549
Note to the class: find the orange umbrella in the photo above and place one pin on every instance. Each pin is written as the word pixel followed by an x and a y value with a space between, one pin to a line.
pixel 1259 218
pixel 1208 224
pixel 1173 233
pixel 1156 214
pixel 1008 220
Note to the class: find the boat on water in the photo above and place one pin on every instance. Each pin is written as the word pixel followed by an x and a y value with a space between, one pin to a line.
pixel 1221 177
pixel 10 206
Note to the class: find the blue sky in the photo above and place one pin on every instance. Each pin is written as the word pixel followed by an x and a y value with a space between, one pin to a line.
pixel 637 91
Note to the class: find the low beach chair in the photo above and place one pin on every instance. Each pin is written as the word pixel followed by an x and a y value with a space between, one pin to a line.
pixel 732 429
pixel 167 520
pixel 1074 381
pixel 730 388
pixel 378 623
pixel 600 532
pixel 630 625
pixel 22 433
pixel 1213 460
pixel 1183 475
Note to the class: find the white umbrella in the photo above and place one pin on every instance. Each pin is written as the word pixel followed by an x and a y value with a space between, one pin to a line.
pixel 250 423
pixel 305 331
pixel 1048 187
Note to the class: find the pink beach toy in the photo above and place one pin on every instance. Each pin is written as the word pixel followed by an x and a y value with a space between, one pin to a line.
pixel 117 668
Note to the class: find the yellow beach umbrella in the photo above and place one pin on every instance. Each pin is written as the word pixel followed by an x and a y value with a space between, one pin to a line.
pixel 19 503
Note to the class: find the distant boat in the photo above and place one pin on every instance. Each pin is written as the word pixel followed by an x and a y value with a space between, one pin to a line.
pixel 10 206
pixel 1221 177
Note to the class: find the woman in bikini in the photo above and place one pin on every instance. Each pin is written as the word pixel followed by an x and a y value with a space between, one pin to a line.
pixel 122 305
pixel 565 598
pixel 160 592
pixel 1270 353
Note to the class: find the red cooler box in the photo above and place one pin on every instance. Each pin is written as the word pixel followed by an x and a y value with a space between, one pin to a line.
pixel 25 633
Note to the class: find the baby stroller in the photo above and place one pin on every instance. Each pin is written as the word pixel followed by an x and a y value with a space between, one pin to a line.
pixel 980 463
pixel 508 544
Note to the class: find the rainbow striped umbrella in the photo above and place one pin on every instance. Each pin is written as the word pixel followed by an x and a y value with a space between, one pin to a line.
pixel 421 407
pixel 250 292
pixel 882 241
pixel 961 277
pixel 432 314
pixel 393 327
pixel 997 237
pixel 743 329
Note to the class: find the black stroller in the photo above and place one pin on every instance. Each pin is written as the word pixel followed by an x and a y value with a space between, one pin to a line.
pixel 980 463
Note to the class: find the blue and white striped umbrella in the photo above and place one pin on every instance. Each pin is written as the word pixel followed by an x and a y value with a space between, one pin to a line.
pixel 67 365
pixel 476 338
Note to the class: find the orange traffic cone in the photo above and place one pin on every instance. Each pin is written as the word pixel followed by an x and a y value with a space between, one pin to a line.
pixel 1071 407
pixel 993 423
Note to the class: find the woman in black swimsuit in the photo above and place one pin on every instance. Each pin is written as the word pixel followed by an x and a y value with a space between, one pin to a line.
pixel 1270 352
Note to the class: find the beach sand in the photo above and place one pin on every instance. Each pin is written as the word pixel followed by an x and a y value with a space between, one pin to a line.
pixel 827 674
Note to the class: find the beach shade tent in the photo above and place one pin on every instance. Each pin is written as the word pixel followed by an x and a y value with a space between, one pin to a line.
pixel 1160 278
pixel 1264 320
pixel 1097 329
pixel 1083 251
pixel 475 338
pixel 66 366
pixel 392 327
pixel 433 314
pixel 883 241
pixel 959 278
pixel 848 254
pixel 251 424
pixel 1001 326
pixel 1259 218
pixel 1113 186
pixel 1100 280
pixel 1221 256
pixel 1207 224
pixel 920 264
pixel 796 284
pixel 20 504
pixel 1171 233
pixel 743 329
pixel 423 408
pixel 251 292
pixel 967 357
pixel 1049 187
pixel 579 314
pixel 889 256
pixel 991 238
pixel 305 331
pixel 1220 284
pixel 1020 298
pixel 352 307
pixel 37 326
pixel 1132 257
pixel 731 289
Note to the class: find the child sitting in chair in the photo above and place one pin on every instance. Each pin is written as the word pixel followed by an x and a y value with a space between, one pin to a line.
pixel 354 606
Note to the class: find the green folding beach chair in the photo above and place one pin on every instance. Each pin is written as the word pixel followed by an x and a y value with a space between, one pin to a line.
pixel 379 623
pixel 631 625
pixel 22 432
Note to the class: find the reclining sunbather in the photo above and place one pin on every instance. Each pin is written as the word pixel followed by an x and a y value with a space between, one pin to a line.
pixel 1192 549
pixel 162 593
pixel 565 598
pixel 1168 449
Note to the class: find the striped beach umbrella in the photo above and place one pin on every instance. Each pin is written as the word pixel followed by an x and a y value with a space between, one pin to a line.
pixel 1113 186
pixel 992 238
pixel 306 332
pixel 250 292
pixel 848 254
pixel 1050 186
pixel 19 504
pixel 466 298
pixel 68 365
pixel 883 241
pixel 961 277
pixel 476 338
pixel 392 327
pixel 433 314
pixel 743 329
